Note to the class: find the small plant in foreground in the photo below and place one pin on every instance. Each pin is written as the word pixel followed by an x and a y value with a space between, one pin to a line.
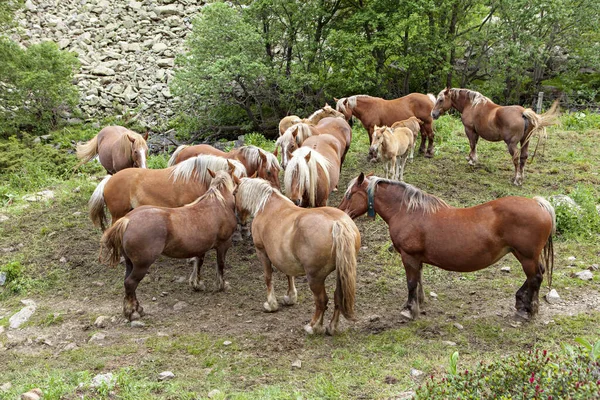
pixel 573 373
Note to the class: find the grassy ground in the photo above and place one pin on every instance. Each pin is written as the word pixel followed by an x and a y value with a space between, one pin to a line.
pixel 52 249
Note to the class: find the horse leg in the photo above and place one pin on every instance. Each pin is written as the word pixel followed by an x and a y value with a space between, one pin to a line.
pixel 473 138
pixel 512 149
pixel 291 297
pixel 413 277
pixel 332 328
pixel 131 307
pixel 430 138
pixel 523 159
pixel 271 304
pixel 222 284
pixel 237 234
pixel 320 295
pixel 527 297
pixel 424 135
pixel 402 164
pixel 420 291
pixel 394 167
pixel 195 281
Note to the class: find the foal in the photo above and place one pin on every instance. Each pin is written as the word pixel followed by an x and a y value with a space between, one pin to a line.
pixel 392 143
pixel 184 232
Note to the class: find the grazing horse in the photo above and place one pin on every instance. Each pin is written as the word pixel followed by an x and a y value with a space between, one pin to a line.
pixel 189 231
pixel 117 148
pixel 288 121
pixel 313 171
pixel 298 133
pixel 424 229
pixel 299 241
pixel 324 112
pixel 169 187
pixel 373 111
pixel 482 117
pixel 254 159
pixel 392 143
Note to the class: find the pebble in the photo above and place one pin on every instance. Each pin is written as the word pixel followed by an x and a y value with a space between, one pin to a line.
pixel 585 275
pixel 505 269
pixel 449 343
pixel 433 294
pixel 458 326
pixel 552 297
pixel 593 267
pixel 33 394
pixel 415 373
pixel 96 337
pixel 166 375
pixel 297 364
pixel 63 260
pixel 227 343
pixel 101 321
pixel 69 346
pixel 107 379
pixel 154 299
pixel 213 393
pixel 137 324
pixel 5 387
pixel 23 315
pixel 180 305
pixel 571 258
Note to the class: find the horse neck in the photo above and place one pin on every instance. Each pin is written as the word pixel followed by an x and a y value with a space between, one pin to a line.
pixel 385 202
pixel 460 101
pixel 275 205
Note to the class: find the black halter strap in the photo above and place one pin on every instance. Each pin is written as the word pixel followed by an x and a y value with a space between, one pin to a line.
pixel 371 202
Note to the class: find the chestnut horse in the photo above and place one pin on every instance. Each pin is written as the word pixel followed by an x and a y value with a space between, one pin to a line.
pixel 300 241
pixel 373 111
pixel 313 171
pixel 424 229
pixel 169 187
pixel 116 147
pixel 189 231
pixel 294 136
pixel 393 143
pixel 313 119
pixel 254 159
pixel 482 117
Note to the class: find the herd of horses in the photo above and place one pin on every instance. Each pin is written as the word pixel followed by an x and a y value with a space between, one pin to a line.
pixel 205 196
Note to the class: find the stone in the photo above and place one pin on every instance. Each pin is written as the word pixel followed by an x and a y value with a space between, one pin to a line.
pixel 170 9
pixel 166 375
pixel 564 200
pixel 415 373
pixel 39 196
pixel 433 295
pixel 22 316
pixel 166 62
pixel 101 70
pixel 585 275
pixel 571 258
pixel 552 297
pixel 101 321
pixel 137 324
pixel 5 387
pixel 69 347
pixel 31 395
pixel 97 337
pixel 129 94
pixel 449 343
pixel 30 6
pixel 180 305
pixel 297 364
pixel 593 267
pixel 159 47
pixel 458 326
pixel 505 269
pixel 227 343
pixel 2 278
pixel 213 393
pixel 3 218
pixel 103 379
pixel 63 260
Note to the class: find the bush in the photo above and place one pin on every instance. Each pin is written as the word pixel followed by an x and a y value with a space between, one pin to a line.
pixel 36 87
pixel 580 121
pixel 572 373
pixel 580 219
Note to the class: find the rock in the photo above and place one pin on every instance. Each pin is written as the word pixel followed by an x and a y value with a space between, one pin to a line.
pixel 97 337
pixel 3 218
pixel 227 343
pixel 1 330
pixel 2 278
pixel 40 196
pixel 103 379
pixel 166 375
pixel 415 373
pixel 571 258
pixel 5 387
pixel 170 9
pixel 585 275
pixel 180 305
pixel 560 200
pixel 552 297
pixel 374 318
pixel 433 295
pixel 449 343
pixel 213 393
pixel 405 395
pixel 505 269
pixel 63 260
pixel 102 71
pixel 593 267
pixel 33 394
pixel 101 321
pixel 154 299
pixel 69 347
pixel 166 62
pixel 30 6
pixel 297 364
pixel 458 326
pixel 22 316
pixel 159 47
pixel 137 324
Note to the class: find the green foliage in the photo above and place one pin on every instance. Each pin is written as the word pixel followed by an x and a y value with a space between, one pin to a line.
pixel 258 140
pixel 37 87
pixel 572 373
pixel 14 277
pixel 158 161
pixel 580 121
pixel 7 9
pixel 581 220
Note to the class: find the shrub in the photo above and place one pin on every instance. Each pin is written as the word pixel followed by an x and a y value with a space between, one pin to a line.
pixel 36 87
pixel 580 121
pixel 580 219
pixel 572 373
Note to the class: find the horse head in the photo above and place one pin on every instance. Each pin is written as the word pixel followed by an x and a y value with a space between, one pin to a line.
pixel 355 202
pixel 442 104
pixel 139 150
pixel 268 169
pixel 376 142
pixel 341 106
pixel 288 142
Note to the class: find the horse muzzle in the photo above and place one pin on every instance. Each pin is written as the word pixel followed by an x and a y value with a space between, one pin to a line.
pixel 435 114
pixel 297 202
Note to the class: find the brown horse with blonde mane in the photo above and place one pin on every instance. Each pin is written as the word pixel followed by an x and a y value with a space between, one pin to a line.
pixel 116 147
pixel 169 187
pixel 373 111
pixel 313 171
pixel 300 241
pixel 189 231
pixel 254 159
pixel 313 119
pixel 294 136
pixel 424 229
pixel 393 143
pixel 483 118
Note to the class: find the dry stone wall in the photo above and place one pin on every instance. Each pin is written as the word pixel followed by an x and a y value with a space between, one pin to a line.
pixel 126 48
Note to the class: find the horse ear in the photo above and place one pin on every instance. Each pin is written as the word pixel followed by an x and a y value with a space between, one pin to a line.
pixel 370 174
pixel 211 173
pixel 262 156
pixel 307 157
pixel 255 174
pixel 132 140
pixel 361 179
pixel 146 134
pixel 336 100
pixel 295 132
pixel 236 180
pixel 275 152
pixel 326 105
pixel 231 166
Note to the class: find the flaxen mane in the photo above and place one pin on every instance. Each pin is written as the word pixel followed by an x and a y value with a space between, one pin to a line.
pixel 414 198
pixel 221 180
pixel 475 97
pixel 252 154
pixel 254 194
pixel 306 172
pixel 197 168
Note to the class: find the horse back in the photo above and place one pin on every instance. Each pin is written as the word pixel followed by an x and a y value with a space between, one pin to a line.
pixel 193 151
pixel 338 127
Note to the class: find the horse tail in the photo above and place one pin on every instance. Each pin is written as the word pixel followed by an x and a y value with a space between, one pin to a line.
pixel 344 241
pixel 547 256
pixel 172 160
pixel 96 205
pixel 87 151
pixel 111 244
pixel 539 123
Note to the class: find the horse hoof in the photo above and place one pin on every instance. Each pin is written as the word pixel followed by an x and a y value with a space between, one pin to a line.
pixel 429 155
pixel 309 329
pixel 407 314
pixel 270 307
pixel 199 286
pixel 329 331
pixel 523 315
pixel 289 301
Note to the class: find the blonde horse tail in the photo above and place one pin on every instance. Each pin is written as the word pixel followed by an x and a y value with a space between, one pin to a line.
pixel 87 151
pixel 172 160
pixel 547 256
pixel 111 244
pixel 96 205
pixel 344 244
pixel 539 124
